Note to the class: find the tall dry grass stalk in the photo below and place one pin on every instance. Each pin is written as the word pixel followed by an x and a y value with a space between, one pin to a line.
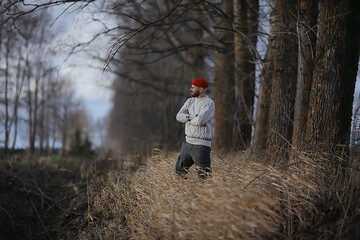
pixel 242 199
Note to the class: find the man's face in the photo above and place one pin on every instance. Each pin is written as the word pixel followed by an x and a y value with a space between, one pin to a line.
pixel 195 91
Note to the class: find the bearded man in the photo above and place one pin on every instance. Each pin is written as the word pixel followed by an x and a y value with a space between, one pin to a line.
pixel 198 114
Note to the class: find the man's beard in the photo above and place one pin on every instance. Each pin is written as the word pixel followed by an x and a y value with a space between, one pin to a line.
pixel 195 93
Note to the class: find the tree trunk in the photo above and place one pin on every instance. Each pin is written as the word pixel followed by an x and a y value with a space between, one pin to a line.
pixel 6 123
pixel 263 106
pixel 55 125
pixel 283 81
pixel 1 31
pixel 64 130
pixel 306 29
pixel 34 117
pixel 337 56
pixel 18 87
pixel 245 18
pixel 29 105
pixel 42 117
pixel 47 124
pixel 351 58
pixel 224 84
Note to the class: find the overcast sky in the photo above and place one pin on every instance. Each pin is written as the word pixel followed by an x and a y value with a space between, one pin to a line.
pixel 91 84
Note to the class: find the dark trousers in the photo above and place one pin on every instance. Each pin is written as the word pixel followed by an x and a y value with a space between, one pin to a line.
pixel 193 154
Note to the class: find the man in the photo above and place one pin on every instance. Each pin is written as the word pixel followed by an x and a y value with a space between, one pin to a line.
pixel 198 115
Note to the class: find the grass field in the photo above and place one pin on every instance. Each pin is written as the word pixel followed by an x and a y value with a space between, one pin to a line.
pixel 304 199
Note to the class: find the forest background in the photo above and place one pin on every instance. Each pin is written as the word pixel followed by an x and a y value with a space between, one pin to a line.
pixel 293 96
pixel 152 61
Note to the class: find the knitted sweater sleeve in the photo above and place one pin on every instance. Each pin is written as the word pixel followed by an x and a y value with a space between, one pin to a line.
pixel 206 114
pixel 183 117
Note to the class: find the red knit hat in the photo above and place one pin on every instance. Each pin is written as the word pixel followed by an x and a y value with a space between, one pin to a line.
pixel 200 82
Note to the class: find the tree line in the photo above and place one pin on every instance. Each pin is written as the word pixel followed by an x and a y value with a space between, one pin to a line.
pixel 307 78
pixel 39 110
pixel 303 99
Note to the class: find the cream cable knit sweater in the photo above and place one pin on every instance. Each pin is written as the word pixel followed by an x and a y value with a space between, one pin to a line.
pixel 199 122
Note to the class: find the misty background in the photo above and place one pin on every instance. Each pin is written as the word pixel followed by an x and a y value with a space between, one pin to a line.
pixel 123 98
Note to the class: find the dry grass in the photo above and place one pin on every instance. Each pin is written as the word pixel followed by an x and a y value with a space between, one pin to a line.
pixel 32 194
pixel 242 200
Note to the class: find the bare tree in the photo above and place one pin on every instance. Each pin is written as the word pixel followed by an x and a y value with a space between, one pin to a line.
pixel 45 91
pixel 262 128
pixel 355 134
pixel 245 25
pixel 337 56
pixel 29 77
pixel 12 84
pixel 6 98
pixel 306 31
pixel 224 81
pixel 66 95
pixel 153 82
pixel 283 87
pixel 19 82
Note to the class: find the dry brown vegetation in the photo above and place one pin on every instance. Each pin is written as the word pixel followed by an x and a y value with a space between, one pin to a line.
pixel 306 198
pixel 33 193
pixel 242 200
